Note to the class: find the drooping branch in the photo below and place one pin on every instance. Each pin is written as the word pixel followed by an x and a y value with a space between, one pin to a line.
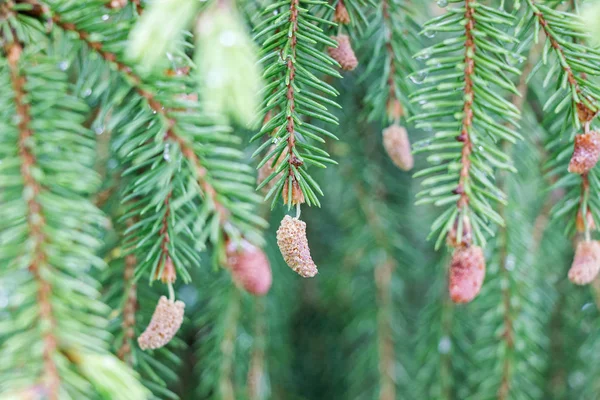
pixel 170 134
pixel 35 222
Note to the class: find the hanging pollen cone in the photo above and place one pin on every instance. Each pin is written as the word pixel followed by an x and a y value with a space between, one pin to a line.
pixel 165 322
pixel 292 242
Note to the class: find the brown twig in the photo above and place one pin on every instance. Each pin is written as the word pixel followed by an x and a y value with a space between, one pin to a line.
pixel 392 100
pixel 293 161
pixel 35 221
pixel 385 336
pixel 257 360
pixel 464 136
pixel 129 308
pixel 508 333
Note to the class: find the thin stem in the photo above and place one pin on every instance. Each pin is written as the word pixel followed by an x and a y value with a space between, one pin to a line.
pixel 291 70
pixel 392 99
pixel 508 332
pixel 465 137
pixel 257 360
pixel 227 347
pixel 385 336
pixel 129 308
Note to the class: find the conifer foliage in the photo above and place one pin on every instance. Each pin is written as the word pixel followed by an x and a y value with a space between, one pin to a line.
pixel 161 161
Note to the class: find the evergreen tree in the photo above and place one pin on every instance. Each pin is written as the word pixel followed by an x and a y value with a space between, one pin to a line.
pixel 299 199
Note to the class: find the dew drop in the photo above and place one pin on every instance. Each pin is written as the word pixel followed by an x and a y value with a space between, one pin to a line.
pixel 510 262
pixel 105 17
pixel 445 345
pixel 424 54
pixel 63 65
pixel 418 78
pixel 166 153
pixel 87 92
pixel 442 3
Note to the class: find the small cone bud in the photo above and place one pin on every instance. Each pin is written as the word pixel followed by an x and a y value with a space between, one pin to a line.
pixel 297 195
pixel 343 54
pixel 292 242
pixel 249 267
pixel 116 4
pixel 394 109
pixel 586 153
pixel 584 113
pixel 467 272
pixel 397 145
pixel 579 222
pixel 266 170
pixel 586 263
pixel 341 15
pixel 466 237
pixel 165 322
pixel 168 274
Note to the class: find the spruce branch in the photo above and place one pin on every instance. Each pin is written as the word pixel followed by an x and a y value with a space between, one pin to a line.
pixel 570 65
pixel 389 43
pixel 467 115
pixel 289 55
pixel 218 325
pixel 36 223
pixel 184 131
pixel 50 232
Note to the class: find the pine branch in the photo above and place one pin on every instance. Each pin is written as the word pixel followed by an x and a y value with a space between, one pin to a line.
pixel 178 129
pixel 50 232
pixel 389 43
pixel 36 222
pixel 289 55
pixel 575 103
pixel 218 327
pixel 440 347
pixel 468 116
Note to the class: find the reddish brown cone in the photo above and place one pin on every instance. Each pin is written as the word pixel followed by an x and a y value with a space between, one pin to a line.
pixel 341 15
pixel 167 274
pixel 584 113
pixel 467 272
pixel 343 54
pixel 249 267
pixel 580 223
pixel 397 145
pixel 586 263
pixel 586 153
pixel 297 194
pixel 466 237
